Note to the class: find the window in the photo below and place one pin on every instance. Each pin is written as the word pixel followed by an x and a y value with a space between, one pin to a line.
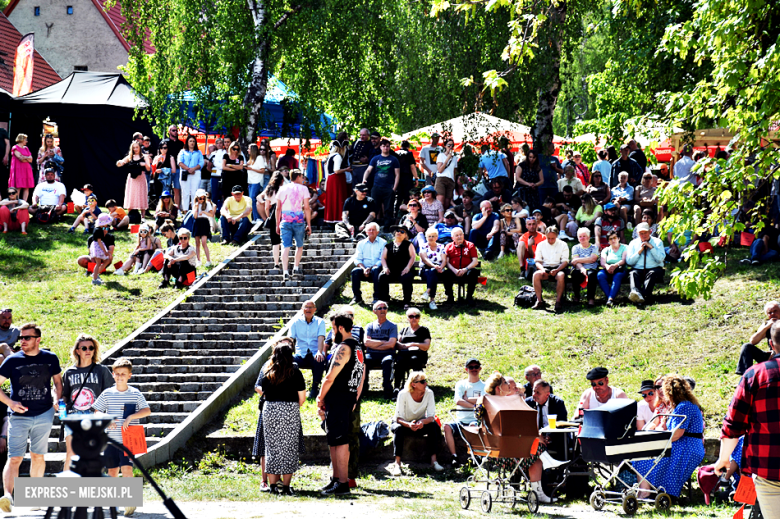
pixel 81 68
pixel 37 11
pixel 69 9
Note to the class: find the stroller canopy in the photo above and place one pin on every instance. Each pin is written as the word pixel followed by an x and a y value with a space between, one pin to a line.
pixel 509 416
pixel 615 419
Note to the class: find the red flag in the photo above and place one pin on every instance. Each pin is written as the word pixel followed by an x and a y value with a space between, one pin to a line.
pixel 740 513
pixel 23 66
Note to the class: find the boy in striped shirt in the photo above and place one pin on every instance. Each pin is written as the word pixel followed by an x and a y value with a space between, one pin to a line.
pixel 113 401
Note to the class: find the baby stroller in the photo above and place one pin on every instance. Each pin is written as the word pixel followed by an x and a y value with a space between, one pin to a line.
pixel 508 431
pixel 609 436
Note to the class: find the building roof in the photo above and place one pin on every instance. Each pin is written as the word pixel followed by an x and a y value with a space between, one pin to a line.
pixel 43 74
pixel 113 18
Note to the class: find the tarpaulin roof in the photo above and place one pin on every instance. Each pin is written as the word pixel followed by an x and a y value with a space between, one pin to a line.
pixel 88 88
pixel 479 127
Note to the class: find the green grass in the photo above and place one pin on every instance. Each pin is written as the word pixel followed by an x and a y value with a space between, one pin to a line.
pixel 41 282
pixel 698 338
pixel 420 493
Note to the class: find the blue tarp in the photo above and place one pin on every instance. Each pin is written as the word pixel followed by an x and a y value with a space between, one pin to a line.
pixel 277 99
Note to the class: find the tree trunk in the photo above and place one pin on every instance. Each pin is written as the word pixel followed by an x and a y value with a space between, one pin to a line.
pixel 548 96
pixel 255 94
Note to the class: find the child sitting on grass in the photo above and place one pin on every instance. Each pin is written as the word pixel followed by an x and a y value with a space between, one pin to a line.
pixel 142 253
pixel 119 218
pixel 98 251
pixel 118 401
pixel 88 216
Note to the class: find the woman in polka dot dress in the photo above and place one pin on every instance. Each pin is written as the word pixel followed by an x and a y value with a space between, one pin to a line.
pixel 687 446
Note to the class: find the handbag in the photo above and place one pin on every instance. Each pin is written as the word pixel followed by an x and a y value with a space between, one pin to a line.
pixel 69 407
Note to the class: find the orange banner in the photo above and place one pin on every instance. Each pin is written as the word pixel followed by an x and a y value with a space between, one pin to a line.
pixel 23 66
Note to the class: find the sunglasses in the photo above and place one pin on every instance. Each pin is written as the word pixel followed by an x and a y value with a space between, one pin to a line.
pixel 507 210
pixel 165 198
pixel 415 316
pixel 423 382
pixel 381 308
pixel 87 348
pixel 12 192
pixel 235 149
pixel 28 337
pixel 599 383
pixel 649 393
pixel 143 232
pixel 184 238
pixel 473 367
pixel 163 147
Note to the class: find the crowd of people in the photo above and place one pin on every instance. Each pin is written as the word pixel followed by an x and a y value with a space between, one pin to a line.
pixel 39 386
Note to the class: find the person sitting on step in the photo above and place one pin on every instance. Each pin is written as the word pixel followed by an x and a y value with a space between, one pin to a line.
pixel 308 330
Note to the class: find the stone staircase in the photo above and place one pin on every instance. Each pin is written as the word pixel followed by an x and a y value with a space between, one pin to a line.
pixel 196 346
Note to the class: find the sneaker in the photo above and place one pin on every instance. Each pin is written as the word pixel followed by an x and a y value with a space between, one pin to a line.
pixel 6 503
pixel 285 276
pixel 562 235
pixel 394 469
pixel 71 230
pixel 352 483
pixel 119 272
pixel 329 484
pixel 86 231
pixel 455 462
pixel 610 302
pixel 296 272
pixel 264 487
pixel 129 511
pixel 337 489
pixel 437 467
pixel 432 305
pixel 755 263
pixel 426 297
pixel 287 491
pixel 539 305
pixel 636 297
pixel 745 261
pixel 208 265
pixel 97 281
pixel 558 308
pixel 500 255
pixel 164 284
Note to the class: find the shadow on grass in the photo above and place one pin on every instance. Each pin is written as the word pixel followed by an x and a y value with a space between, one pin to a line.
pixel 115 285
pixel 17 263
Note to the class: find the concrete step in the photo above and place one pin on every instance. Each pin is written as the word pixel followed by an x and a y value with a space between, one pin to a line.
pixel 178 391
pixel 222 288
pixel 192 348
pixel 191 362
pixel 164 407
pixel 179 368
pixel 218 337
pixel 307 279
pixel 271 283
pixel 241 306
pixel 239 323
pixel 250 298
pixel 186 378
pixel 236 315
pixel 167 418
pixel 329 261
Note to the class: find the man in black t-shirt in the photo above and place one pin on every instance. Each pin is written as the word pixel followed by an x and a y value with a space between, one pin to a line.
pixel 411 349
pixel 409 174
pixel 637 154
pixel 339 393
pixel 359 210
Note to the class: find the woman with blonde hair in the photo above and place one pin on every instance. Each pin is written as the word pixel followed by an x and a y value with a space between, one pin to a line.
pixel 258 173
pixel 415 415
pixel 136 189
pixel 21 168
pixel 687 440
pixel 47 152
pixel 83 382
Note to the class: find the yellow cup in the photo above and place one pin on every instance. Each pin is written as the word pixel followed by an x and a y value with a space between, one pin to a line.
pixel 552 420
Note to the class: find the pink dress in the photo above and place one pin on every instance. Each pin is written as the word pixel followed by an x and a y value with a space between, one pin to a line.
pixel 136 189
pixel 21 172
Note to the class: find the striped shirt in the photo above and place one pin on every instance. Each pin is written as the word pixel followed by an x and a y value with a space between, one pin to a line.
pixel 112 401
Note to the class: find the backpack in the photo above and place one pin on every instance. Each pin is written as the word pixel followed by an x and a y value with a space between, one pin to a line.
pixel 188 222
pixel 526 297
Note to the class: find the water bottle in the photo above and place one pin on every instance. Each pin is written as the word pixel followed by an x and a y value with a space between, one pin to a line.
pixel 63 411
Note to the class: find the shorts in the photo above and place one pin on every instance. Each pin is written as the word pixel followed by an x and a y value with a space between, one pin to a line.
pixel 36 428
pixel 176 180
pixel 114 458
pixel 444 187
pixel 338 424
pixel 290 230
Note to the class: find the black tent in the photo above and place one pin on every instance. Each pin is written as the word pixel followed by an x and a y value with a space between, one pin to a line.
pixel 95 114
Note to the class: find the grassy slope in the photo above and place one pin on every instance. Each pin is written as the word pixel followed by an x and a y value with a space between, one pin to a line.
pixel 40 281
pixel 699 338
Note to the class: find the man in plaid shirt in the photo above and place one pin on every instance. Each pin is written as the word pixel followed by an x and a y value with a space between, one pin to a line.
pixel 755 413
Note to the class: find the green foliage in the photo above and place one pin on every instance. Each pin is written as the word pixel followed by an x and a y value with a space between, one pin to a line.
pixel 743 95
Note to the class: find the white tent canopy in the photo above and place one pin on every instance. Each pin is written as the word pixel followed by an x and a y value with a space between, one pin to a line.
pixel 477 127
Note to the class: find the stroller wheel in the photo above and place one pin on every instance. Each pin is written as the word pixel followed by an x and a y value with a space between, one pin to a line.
pixel 510 496
pixel 597 500
pixel 533 502
pixel 630 504
pixel 465 498
pixel 663 502
pixel 486 502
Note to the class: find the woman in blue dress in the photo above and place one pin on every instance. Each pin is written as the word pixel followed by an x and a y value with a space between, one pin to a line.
pixel 687 442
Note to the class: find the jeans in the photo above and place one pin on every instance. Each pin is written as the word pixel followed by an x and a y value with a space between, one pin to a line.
pixel 205 184
pixel 383 360
pixel 755 252
pixel 292 231
pixel 358 277
pixel 431 432
pixel 317 369
pixel 644 280
pixel 384 197
pixel 383 284
pixel 216 192
pixel 165 179
pixel 611 287
pixel 431 278
pixel 750 354
pixel 234 231
pixel 480 241
pixel 254 190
